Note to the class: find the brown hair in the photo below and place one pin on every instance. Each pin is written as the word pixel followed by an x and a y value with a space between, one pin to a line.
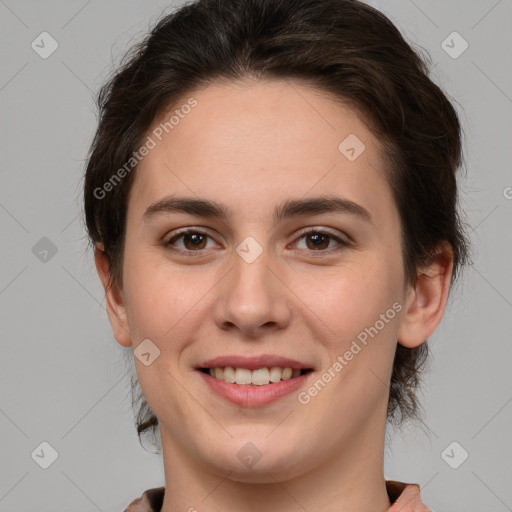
pixel 342 47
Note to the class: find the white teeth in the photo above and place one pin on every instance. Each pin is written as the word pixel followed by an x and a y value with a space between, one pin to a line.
pixel 258 377
pixel 229 374
pixel 242 376
pixel 287 374
pixel 275 374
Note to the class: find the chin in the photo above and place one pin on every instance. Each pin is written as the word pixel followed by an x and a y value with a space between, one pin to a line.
pixel 259 460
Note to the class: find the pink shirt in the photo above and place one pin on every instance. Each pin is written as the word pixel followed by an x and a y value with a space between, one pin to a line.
pixel 404 498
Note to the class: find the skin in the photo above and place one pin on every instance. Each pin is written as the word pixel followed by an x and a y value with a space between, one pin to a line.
pixel 251 146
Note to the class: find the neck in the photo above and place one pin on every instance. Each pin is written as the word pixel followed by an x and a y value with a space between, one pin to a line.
pixel 353 479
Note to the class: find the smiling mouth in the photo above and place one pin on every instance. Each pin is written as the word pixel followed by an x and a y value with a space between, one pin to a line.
pixel 257 377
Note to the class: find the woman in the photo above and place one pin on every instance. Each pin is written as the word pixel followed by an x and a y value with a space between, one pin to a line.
pixel 271 196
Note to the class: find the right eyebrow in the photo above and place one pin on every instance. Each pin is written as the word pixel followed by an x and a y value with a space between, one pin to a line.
pixel 190 205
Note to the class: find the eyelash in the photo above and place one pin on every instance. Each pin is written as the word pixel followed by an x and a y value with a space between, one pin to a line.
pixel 343 244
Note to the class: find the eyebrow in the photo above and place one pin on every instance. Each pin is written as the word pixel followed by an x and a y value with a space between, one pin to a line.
pixel 289 208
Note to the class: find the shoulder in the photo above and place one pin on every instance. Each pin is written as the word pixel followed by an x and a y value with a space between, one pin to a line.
pixel 150 501
pixel 405 497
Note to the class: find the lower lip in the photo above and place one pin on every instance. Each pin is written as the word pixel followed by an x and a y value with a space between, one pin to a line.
pixel 253 396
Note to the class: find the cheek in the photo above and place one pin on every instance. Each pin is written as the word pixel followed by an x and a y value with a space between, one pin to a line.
pixel 351 297
pixel 360 305
pixel 160 297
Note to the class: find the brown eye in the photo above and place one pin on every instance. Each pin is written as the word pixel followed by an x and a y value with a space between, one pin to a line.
pixel 318 241
pixel 196 241
pixel 193 240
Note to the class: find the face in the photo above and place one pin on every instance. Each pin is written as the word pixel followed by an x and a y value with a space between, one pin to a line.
pixel 318 290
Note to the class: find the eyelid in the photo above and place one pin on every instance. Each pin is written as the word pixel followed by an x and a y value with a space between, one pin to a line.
pixel 185 231
pixel 341 238
pixel 327 231
pixel 307 229
pixel 342 243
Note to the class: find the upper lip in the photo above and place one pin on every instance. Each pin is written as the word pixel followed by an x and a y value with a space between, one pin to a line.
pixel 254 362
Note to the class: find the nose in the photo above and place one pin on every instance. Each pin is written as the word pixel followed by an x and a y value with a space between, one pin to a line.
pixel 253 298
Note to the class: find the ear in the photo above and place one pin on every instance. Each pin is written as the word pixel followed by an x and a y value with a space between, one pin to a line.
pixel 114 298
pixel 426 301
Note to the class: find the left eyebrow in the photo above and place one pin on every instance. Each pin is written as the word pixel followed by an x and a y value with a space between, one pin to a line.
pixel 289 208
pixel 318 206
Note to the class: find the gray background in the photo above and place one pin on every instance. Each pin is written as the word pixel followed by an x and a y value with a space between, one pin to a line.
pixel 62 377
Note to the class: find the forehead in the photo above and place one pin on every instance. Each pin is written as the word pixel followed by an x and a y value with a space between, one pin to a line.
pixel 251 143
